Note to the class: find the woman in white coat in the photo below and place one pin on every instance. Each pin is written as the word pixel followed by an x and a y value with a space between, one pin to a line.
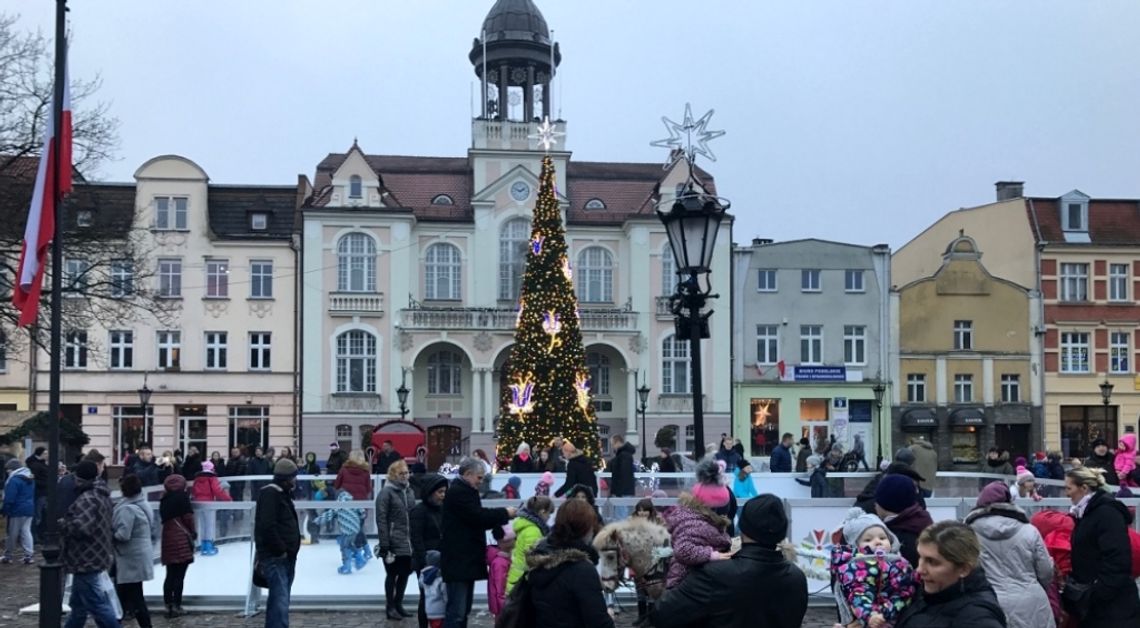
pixel 1014 558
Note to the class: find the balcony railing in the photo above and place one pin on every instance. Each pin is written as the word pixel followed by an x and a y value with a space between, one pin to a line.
pixel 502 319
pixel 352 304
pixel 663 310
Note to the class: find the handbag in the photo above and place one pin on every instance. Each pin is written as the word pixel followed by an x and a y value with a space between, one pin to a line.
pixel 107 587
pixel 190 536
pixel 518 611
pixel 1077 597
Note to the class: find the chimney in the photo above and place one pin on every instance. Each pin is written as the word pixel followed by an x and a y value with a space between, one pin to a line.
pixel 761 241
pixel 1007 190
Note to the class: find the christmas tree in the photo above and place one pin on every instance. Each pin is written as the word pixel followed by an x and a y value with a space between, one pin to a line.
pixel 546 391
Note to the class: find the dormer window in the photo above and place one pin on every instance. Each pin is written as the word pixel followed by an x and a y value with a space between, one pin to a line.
pixel 595 204
pixel 1074 209
pixel 442 199
pixel 83 218
pixel 1074 217
pixel 259 221
pixel 355 187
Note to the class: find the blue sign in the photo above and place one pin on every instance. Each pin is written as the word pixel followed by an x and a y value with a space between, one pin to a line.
pixel 820 374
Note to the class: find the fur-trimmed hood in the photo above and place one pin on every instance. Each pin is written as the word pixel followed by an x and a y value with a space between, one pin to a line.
pixel 547 556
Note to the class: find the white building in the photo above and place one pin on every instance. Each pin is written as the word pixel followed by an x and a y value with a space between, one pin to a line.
pixel 412 268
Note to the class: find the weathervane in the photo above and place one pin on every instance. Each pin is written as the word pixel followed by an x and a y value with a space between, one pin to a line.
pixel 546 134
pixel 689 138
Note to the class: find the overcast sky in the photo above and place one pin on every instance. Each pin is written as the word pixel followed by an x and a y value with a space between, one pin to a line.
pixel 850 121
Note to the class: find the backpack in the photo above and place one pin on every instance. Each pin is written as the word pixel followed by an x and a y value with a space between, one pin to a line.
pixel 518 611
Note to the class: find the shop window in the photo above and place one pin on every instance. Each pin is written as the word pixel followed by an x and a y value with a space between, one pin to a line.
pixel 765 426
pixel 1081 425
pixel 964 445
pixel 813 420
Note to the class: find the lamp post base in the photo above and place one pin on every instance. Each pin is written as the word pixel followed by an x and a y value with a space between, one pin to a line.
pixel 51 585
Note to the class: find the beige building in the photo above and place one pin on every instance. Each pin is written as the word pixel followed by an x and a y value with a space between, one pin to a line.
pixel 967 361
pixel 216 347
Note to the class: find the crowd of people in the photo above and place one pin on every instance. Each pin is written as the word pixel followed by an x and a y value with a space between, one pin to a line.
pixel 891 564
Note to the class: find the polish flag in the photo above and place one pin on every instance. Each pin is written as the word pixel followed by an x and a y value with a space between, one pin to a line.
pixel 42 213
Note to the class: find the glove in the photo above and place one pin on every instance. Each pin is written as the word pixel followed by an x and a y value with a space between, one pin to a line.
pixel 379 551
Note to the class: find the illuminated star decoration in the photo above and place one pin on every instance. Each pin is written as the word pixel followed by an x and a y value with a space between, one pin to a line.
pixel 536 244
pixel 552 326
pixel 547 134
pixel 566 269
pixel 518 316
pixel 682 137
pixel 521 391
pixel 582 387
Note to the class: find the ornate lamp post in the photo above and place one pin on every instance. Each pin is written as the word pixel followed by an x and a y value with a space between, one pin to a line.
pixel 879 389
pixel 144 398
pixel 643 399
pixel 692 219
pixel 402 395
pixel 1106 396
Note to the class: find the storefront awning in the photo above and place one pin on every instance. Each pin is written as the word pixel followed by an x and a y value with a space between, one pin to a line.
pixel 963 417
pixel 919 419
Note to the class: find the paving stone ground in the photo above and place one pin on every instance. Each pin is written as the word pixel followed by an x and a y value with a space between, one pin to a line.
pixel 19 587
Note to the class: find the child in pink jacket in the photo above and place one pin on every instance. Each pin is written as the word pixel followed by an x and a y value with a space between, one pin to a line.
pixel 1126 459
pixel 498 566
pixel 207 488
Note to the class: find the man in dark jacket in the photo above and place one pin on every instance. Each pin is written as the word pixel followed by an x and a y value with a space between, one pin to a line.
pixel 621 472
pixel 896 503
pixel 464 546
pixel 257 464
pixel 757 587
pixel 901 465
pixel 150 474
pixel 385 458
pixel 37 464
pixel 337 458
pixel 781 461
pixel 277 537
pixel 579 470
pixel 557 462
pixel 85 531
pixel 235 466
pixel 68 488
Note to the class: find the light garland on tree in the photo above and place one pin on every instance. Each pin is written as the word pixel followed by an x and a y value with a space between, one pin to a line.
pixel 582 386
pixel 552 326
pixel 536 245
pixel 522 392
pixel 566 271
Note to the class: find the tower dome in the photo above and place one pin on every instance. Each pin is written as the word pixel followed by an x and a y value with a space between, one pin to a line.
pixel 518 20
pixel 519 59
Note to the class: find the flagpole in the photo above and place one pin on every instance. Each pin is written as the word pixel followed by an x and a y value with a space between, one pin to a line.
pixel 51 573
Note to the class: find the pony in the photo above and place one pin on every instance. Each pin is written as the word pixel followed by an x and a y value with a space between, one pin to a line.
pixel 638 544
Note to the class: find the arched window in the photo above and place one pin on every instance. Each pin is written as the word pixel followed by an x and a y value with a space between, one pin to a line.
pixel 599 366
pixel 442 272
pixel 355 187
pixel 595 275
pixel 595 204
pixel 690 438
pixel 445 371
pixel 356 263
pixel 514 242
pixel 344 437
pixel 356 362
pixel 668 272
pixel 674 366
pixel 442 199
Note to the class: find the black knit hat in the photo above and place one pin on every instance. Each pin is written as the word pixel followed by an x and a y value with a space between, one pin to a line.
pixel 86 470
pixel 764 521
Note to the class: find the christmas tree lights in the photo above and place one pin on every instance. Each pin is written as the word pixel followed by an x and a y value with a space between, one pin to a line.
pixel 548 393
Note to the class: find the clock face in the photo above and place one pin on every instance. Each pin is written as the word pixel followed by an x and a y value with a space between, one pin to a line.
pixel 520 191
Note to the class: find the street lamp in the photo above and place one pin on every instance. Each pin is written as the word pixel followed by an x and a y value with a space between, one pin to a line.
pixel 144 397
pixel 1106 396
pixel 643 397
pixel 691 222
pixel 402 395
pixel 879 389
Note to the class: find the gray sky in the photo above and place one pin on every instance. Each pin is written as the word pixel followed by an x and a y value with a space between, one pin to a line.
pixel 852 121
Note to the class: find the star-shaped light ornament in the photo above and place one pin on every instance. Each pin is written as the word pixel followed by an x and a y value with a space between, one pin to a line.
pixel 688 138
pixel 547 134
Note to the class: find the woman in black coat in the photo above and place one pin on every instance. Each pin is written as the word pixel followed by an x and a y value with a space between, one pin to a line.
pixel 426 528
pixel 579 470
pixel 523 462
pixel 1101 554
pixel 954 591
pixel 565 587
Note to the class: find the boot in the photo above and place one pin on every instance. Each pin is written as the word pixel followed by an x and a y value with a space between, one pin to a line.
pixel 206 548
pixel 642 609
pixel 345 567
pixel 361 557
pixel 392 613
pixel 399 605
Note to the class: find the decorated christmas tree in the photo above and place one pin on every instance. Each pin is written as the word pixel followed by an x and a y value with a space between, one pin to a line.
pixel 546 390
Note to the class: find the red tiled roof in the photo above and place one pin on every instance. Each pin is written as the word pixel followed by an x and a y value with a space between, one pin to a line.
pixel 1111 221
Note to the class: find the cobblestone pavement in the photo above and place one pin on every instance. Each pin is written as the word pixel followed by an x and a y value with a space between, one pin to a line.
pixel 19 587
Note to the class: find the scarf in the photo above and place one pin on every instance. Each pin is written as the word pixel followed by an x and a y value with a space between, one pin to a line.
pixel 1078 509
pixel 525 513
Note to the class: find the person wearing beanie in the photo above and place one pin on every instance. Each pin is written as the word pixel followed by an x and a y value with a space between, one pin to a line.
pixel 498 566
pixel 1125 462
pixel 511 490
pixel 817 477
pixel 924 461
pixel 179 534
pixel 88 549
pixel 1025 486
pixel 802 455
pixel 699 534
pixel 425 524
pixel 544 484
pixel 1040 466
pixel 758 586
pixel 207 488
pixel 866 497
pixel 1102 458
pixel 277 539
pixel 897 504
pixel 997 462
pixel 20 510
pixel 871 578
pixel 1014 557
pixel 433 592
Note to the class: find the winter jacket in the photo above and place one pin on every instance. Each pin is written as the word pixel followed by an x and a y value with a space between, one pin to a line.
pixel 20 494
pixel 465 525
pixel 347 520
pixel 435 593
pixel 149 473
pixel 818 482
pixel 1125 456
pixel 907 525
pixel 1102 556
pixel 1106 463
pixel 518 465
pixel 1055 468
pixel 393 504
pixel 86 529
pixel 696 532
pixel 781 460
pixel 133 528
pixel 999 465
pixel 743 489
pixel 1016 564
pixel 65 493
pixel 208 488
pixel 870 583
pixel 192 466
pixel 756 587
pixel 621 472
pixel 565 587
pixel 498 564
pixel 258 466
pixel 801 459
pixel 354 479
pixel 731 459
pixel 529 530
pixel 579 470
pixel 335 462
pixel 276 531
pixel 236 467
pixel 925 463
pixel 385 460
pixel 866 497
pixel 39 470
pixel 426 521
pixel 178 525
pixel 969 605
